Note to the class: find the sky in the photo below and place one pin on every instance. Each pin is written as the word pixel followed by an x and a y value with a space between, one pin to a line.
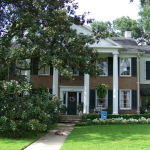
pixel 109 10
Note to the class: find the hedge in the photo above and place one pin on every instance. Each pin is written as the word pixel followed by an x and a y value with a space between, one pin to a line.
pixel 109 116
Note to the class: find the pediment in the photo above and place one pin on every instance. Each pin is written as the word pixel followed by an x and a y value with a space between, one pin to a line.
pixel 102 43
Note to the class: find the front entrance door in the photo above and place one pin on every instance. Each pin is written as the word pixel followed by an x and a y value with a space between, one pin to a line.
pixel 72 103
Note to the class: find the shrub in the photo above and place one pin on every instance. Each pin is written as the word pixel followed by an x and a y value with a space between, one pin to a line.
pixel 120 120
pixel 109 116
pixel 32 112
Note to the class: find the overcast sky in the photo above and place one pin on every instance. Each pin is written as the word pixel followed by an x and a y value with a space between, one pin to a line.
pixel 108 10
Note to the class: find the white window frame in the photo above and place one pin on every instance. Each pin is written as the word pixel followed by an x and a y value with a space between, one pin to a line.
pixel 120 100
pixel 47 68
pixel 106 103
pixel 124 68
pixel 74 74
pixel 101 68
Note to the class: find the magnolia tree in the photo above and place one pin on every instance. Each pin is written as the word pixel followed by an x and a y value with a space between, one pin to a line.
pixel 31 112
pixel 41 30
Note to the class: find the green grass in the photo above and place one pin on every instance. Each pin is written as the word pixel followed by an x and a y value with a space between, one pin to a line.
pixel 109 137
pixel 19 143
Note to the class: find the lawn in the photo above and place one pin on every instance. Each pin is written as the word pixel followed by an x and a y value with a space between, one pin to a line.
pixel 19 143
pixel 109 137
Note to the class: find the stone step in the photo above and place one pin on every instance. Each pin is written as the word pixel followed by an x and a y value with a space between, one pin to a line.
pixel 69 118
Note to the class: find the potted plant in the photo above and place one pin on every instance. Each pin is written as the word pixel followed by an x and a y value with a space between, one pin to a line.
pixel 80 108
pixel 101 90
pixel 63 109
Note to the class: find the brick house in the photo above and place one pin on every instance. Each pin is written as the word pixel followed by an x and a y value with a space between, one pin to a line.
pixel 125 68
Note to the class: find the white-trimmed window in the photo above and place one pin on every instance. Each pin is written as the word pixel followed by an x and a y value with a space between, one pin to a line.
pixel 125 99
pixel 103 65
pixel 74 72
pixel 102 101
pixel 125 66
pixel 44 69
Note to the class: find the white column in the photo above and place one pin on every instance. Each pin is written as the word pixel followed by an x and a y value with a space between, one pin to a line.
pixel 115 83
pixel 86 93
pixel 138 84
pixel 27 72
pixel 55 82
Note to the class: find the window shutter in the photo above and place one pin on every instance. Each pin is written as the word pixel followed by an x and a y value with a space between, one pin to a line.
pixel 34 69
pixel 81 73
pixel 51 70
pixel 33 91
pixel 118 66
pixel 134 99
pixel 147 70
pixel 50 90
pixel 110 66
pixel 134 66
pixel 92 99
pixel 110 98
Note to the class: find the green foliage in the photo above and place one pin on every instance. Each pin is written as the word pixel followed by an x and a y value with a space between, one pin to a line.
pixel 145 23
pixel 101 90
pixel 31 112
pixel 43 30
pixel 20 143
pixel 63 109
pixel 109 116
pixel 103 29
pixel 127 24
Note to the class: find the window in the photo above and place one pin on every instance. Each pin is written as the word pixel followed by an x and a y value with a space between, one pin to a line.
pixel 44 69
pixel 102 101
pixel 74 72
pixel 103 65
pixel 147 70
pixel 125 66
pixel 125 99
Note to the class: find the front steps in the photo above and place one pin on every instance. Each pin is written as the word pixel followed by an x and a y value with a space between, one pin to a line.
pixel 69 118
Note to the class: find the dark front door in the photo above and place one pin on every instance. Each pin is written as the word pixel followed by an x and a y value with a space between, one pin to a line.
pixel 72 103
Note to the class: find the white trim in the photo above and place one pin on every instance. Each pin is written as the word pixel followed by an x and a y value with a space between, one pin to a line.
pixel 96 103
pixel 71 88
pixel 106 64
pixel 47 68
pixel 120 67
pixel 130 99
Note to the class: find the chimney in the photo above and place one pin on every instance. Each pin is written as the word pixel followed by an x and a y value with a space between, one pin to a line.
pixel 128 34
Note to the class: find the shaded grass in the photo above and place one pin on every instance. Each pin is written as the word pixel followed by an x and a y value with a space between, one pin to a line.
pixel 109 137
pixel 19 143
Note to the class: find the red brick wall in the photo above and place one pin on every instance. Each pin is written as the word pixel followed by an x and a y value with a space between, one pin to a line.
pixel 123 82
pixel 78 81
pixel 144 85
pixel 127 83
pixel 41 80
pixel 106 80
pixel 133 111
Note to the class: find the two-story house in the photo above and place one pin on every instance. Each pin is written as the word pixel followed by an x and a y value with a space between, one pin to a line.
pixel 125 68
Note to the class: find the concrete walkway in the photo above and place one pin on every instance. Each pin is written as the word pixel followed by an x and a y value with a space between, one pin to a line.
pixel 52 141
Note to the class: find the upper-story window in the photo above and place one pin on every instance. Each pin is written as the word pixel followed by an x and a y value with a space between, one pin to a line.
pixel 44 69
pixel 74 72
pixel 125 66
pixel 125 99
pixel 103 65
